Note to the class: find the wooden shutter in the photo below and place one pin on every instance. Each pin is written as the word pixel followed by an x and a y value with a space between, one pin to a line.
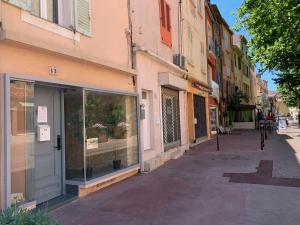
pixel 24 4
pixel 165 23
pixel 83 16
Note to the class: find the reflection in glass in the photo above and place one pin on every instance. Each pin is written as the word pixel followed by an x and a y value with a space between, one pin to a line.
pixel 111 133
pixel 74 147
pixel 22 141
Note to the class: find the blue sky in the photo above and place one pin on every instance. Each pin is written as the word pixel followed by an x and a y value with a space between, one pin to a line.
pixel 226 8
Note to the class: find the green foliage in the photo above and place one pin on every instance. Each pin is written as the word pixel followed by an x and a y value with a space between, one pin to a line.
pixel 236 99
pixel 289 89
pixel 274 26
pixel 17 216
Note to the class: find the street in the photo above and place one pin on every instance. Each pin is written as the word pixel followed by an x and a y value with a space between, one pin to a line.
pixel 193 190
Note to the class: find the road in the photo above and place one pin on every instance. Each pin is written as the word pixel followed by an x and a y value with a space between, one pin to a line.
pixel 192 190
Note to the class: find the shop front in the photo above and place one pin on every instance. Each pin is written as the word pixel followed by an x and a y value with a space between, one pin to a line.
pixel 59 138
pixel 214 112
pixel 198 112
pixel 170 118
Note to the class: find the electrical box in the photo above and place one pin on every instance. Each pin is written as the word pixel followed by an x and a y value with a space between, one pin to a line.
pixel 43 133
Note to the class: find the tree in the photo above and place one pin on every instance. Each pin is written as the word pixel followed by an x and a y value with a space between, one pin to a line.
pixel 274 27
pixel 291 98
pixel 236 99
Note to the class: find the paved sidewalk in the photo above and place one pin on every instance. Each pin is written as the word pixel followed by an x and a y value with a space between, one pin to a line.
pixel 192 190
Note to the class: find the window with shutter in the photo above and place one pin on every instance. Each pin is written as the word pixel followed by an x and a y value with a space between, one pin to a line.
pixel 165 23
pixel 190 46
pixel 24 4
pixel 57 11
pixel 83 16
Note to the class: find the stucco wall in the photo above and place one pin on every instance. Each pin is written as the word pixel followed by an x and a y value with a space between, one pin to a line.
pixel 196 23
pixel 146 27
pixel 108 42
pixel 35 62
pixel 1 138
pixel 149 70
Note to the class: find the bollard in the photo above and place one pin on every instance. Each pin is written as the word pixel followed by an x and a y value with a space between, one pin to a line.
pixel 262 141
pixel 218 146
pixel 266 133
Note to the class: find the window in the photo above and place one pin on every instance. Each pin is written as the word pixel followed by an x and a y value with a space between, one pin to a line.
pixel 240 62
pixel 22 140
pixel 203 59
pixel 110 132
pixel 227 40
pixel 110 141
pixel 247 72
pixel 165 23
pixel 190 48
pixel 235 60
pixel 228 65
pixel 57 11
pixel 72 14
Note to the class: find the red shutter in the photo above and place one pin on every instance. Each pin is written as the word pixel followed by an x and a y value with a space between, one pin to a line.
pixel 165 23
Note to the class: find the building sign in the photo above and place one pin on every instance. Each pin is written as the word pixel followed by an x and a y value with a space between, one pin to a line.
pixel 92 143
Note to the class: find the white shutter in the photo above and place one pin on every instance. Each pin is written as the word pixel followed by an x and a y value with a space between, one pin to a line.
pixel 83 16
pixel 24 4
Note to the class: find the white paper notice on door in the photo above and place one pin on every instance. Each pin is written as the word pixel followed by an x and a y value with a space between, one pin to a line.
pixel 42 114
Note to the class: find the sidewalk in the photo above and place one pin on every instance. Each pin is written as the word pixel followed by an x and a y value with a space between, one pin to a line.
pixel 192 190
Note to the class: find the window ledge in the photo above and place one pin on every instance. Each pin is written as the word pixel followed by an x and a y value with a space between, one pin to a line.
pixel 49 26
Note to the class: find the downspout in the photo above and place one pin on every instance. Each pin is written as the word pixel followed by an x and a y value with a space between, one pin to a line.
pixel 135 84
pixel 130 35
pixel 180 28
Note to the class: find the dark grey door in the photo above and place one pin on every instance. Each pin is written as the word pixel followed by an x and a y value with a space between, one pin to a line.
pixel 200 116
pixel 47 157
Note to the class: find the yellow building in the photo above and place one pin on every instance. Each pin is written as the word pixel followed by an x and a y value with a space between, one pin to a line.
pixel 245 81
pixel 195 50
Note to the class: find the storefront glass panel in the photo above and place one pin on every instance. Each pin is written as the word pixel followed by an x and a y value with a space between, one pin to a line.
pixel 22 139
pixel 74 141
pixel 111 133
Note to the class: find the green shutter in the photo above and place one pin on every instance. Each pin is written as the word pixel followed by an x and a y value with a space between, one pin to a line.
pixel 83 16
pixel 24 4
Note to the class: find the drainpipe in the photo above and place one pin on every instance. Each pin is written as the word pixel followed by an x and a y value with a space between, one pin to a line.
pixel 130 45
pixel 180 28
pixel 135 83
pixel 130 41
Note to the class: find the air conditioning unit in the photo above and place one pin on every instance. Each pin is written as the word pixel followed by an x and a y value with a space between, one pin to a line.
pixel 179 60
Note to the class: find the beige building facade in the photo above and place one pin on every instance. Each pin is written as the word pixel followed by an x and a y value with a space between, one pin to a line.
pixel 195 51
pixel 161 83
pixel 69 107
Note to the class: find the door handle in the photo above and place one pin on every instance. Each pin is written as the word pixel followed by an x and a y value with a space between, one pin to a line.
pixel 58 142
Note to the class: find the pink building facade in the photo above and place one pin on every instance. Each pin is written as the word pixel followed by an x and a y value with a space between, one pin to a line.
pixel 161 84
pixel 69 108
